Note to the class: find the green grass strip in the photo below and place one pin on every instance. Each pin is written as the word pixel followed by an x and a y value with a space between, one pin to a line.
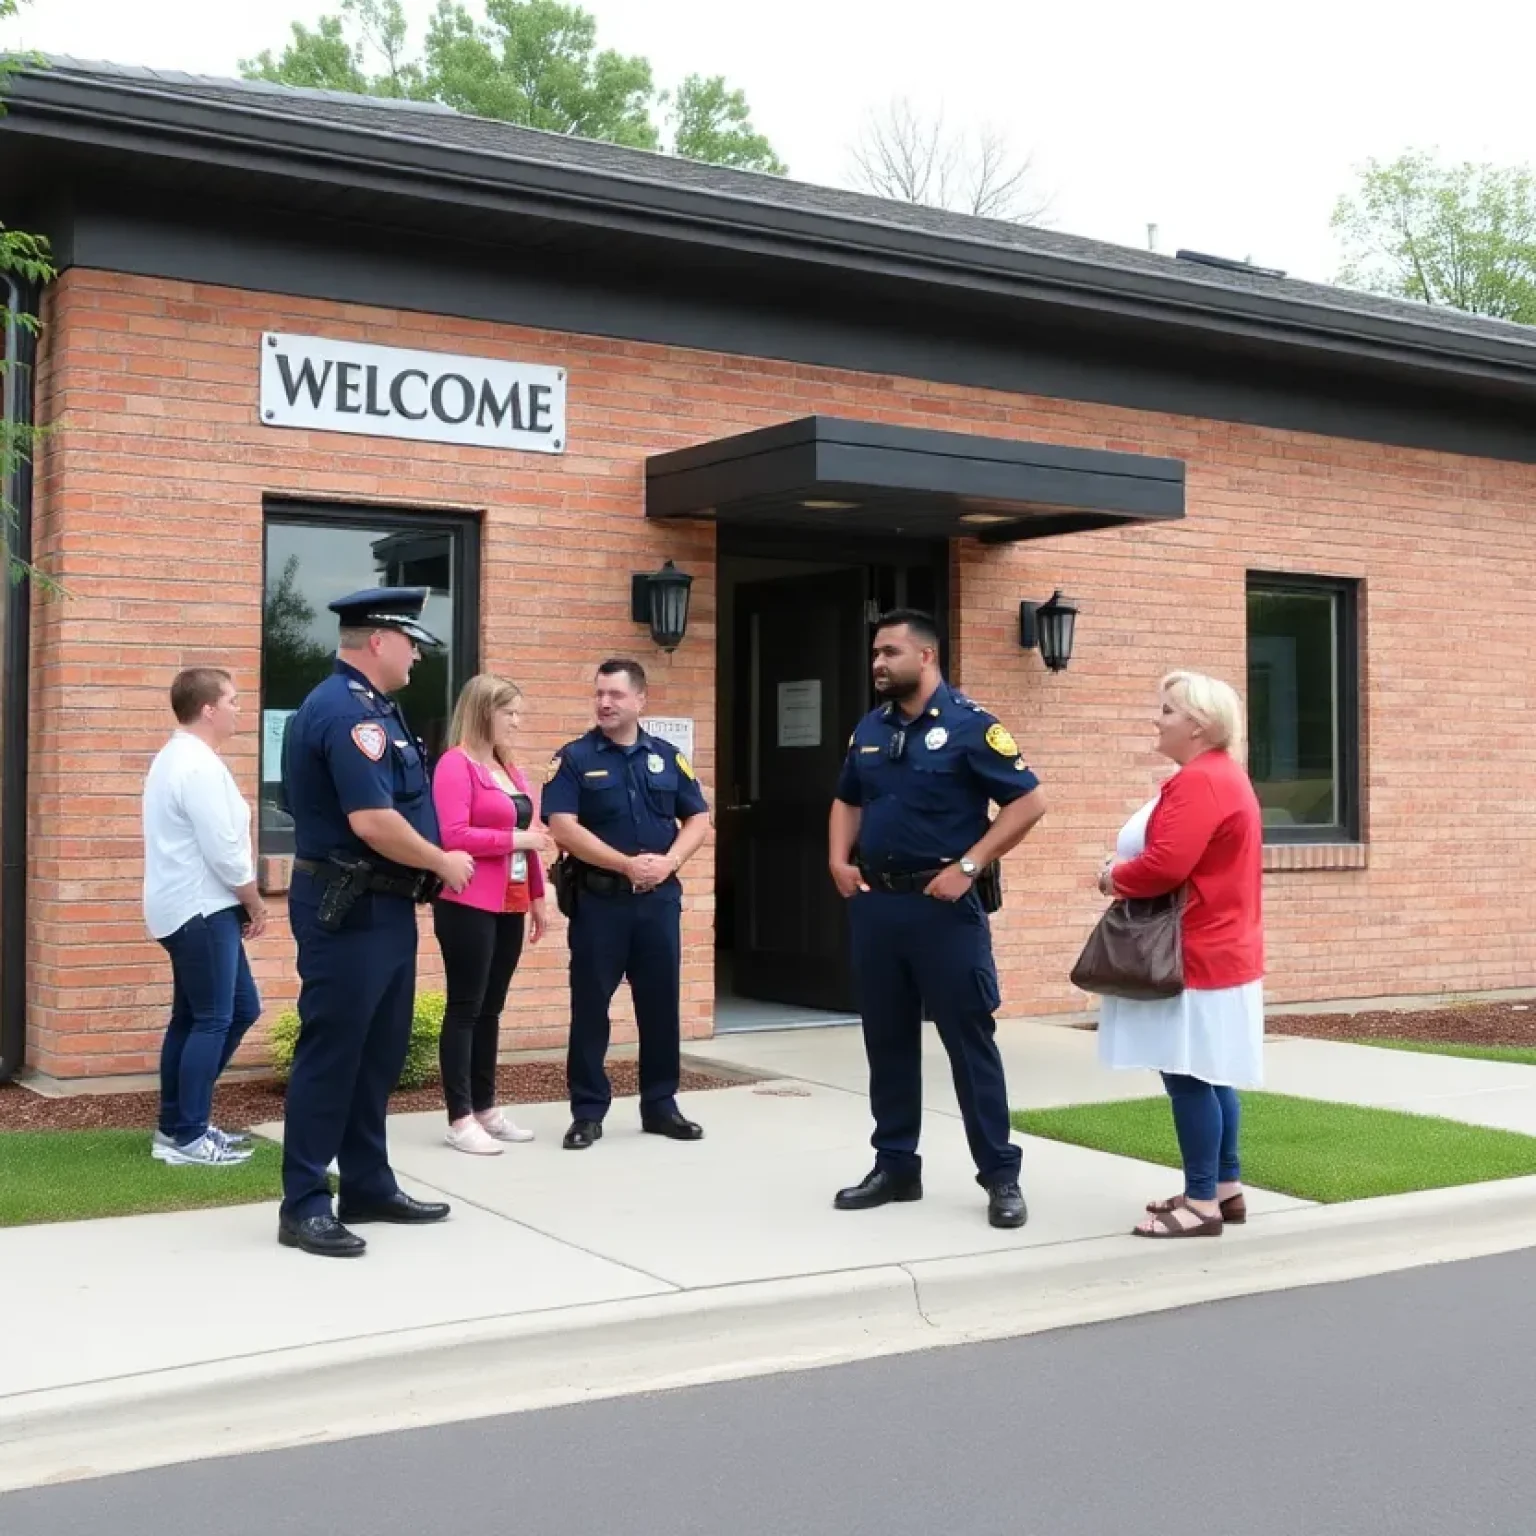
pixel 1309 1148
pixel 77 1175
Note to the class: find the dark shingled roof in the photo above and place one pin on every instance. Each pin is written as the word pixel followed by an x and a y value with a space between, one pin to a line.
pixel 433 124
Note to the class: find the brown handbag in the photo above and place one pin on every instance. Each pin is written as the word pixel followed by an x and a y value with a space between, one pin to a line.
pixel 1136 950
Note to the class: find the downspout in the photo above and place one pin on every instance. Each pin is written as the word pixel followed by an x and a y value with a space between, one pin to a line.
pixel 23 297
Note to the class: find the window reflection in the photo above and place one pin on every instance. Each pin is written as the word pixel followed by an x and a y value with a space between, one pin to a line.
pixel 309 564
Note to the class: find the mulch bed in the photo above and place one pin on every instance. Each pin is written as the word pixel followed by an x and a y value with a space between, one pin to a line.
pixel 1463 1024
pixel 239 1104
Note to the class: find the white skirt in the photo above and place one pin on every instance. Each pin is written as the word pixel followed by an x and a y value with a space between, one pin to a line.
pixel 1215 1034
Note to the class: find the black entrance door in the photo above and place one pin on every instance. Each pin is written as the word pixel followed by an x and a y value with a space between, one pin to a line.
pixel 802 684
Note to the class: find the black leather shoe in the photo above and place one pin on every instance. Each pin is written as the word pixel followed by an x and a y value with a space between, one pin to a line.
pixel 675 1125
pixel 582 1134
pixel 323 1235
pixel 1005 1205
pixel 399 1208
pixel 879 1188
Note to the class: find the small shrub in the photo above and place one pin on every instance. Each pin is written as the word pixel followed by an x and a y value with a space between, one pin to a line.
pixel 420 1068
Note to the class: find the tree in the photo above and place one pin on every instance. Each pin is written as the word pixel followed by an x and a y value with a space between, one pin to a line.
pixel 25 256
pixel 531 62
pixel 1463 235
pixel 714 124
pixel 910 158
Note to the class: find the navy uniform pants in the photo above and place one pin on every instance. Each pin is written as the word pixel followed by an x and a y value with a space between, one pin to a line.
pixel 614 937
pixel 908 951
pixel 356 999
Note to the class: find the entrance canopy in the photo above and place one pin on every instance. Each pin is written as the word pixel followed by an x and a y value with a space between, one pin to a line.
pixel 834 476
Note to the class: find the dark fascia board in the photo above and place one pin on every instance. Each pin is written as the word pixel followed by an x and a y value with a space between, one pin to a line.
pixel 143 120
pixel 1040 487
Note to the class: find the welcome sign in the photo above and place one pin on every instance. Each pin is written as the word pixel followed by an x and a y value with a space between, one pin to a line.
pixel 346 386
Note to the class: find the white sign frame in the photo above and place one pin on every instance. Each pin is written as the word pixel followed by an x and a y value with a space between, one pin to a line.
pixel 799 713
pixel 678 729
pixel 321 384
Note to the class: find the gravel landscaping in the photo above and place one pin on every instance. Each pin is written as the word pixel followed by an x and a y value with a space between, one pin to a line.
pixel 239 1104
pixel 1458 1024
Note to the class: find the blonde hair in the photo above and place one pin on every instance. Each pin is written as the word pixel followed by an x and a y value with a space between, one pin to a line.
pixel 474 716
pixel 1212 704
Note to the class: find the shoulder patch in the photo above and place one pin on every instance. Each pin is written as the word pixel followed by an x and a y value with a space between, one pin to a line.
pixel 553 769
pixel 684 767
pixel 371 739
pixel 1001 742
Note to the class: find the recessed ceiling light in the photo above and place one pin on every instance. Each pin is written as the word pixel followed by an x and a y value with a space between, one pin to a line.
pixel 984 517
pixel 829 506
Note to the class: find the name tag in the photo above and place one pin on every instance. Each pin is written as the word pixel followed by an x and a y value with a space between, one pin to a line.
pixel 595 773
pixel 869 749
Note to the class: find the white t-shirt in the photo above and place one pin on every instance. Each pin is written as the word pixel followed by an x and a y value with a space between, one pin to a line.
pixel 197 836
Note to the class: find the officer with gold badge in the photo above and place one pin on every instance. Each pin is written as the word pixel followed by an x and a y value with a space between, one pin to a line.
pixel 909 843
pixel 627 811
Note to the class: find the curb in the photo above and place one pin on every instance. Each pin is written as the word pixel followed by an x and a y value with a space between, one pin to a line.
pixel 458 1372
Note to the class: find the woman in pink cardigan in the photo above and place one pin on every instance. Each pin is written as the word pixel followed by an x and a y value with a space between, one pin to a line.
pixel 485 808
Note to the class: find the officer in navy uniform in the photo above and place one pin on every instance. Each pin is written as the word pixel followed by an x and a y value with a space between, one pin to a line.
pixel 909 836
pixel 627 812
pixel 355 782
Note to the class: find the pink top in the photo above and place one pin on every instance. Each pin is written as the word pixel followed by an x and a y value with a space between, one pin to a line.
pixel 476 815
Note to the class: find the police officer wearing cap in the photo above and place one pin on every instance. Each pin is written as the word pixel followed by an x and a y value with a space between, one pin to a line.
pixel 628 813
pixel 365 855
pixel 909 836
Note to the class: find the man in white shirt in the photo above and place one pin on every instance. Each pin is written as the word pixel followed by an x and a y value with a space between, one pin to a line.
pixel 201 903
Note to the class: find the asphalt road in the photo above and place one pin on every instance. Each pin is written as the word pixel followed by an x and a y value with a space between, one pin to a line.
pixel 1401 1404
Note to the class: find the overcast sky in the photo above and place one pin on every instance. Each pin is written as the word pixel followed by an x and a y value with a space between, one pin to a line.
pixel 1233 128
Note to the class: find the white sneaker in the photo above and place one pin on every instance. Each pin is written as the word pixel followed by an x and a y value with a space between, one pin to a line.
pixel 496 1124
pixel 235 1141
pixel 205 1152
pixel 472 1138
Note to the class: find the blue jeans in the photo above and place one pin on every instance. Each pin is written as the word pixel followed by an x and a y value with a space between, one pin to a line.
pixel 213 1003
pixel 1205 1118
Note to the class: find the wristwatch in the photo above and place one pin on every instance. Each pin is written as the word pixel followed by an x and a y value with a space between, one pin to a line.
pixel 968 868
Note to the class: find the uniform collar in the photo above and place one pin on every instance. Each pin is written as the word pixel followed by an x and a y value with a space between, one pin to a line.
pixel 939 702
pixel 357 680
pixel 605 744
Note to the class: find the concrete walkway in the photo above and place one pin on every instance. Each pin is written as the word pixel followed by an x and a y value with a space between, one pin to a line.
pixel 645 1262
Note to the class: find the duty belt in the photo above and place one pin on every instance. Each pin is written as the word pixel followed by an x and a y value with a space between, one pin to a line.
pixel 414 885
pixel 906 883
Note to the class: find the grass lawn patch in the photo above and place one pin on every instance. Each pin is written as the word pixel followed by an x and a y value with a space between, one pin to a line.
pixel 1520 1055
pixel 76 1175
pixel 1309 1148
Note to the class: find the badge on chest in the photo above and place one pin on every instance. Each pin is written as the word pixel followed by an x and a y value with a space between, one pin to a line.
pixel 654 762
pixel 936 738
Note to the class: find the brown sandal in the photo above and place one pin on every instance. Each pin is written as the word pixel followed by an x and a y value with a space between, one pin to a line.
pixel 1234 1209
pixel 1164 1224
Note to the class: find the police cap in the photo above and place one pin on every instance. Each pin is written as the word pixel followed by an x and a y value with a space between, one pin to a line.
pixel 387 608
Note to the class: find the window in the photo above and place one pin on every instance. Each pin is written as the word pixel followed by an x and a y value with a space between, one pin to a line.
pixel 317 554
pixel 1303 708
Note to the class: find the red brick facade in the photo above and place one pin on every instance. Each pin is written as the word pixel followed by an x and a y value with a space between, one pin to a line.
pixel 149 510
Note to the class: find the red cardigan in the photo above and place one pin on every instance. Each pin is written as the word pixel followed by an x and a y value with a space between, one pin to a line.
pixel 1207 829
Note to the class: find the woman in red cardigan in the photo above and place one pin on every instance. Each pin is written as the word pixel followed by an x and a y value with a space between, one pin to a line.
pixel 484 807
pixel 1204 832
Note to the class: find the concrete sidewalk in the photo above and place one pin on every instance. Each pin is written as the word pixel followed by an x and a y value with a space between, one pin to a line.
pixel 646 1263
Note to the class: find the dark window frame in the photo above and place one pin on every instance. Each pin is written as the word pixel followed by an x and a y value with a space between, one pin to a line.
pixel 1346 828
pixel 465 634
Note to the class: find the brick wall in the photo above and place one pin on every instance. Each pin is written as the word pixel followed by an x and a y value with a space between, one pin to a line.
pixel 150 512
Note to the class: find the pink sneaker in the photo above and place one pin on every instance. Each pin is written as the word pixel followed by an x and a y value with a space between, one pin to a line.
pixel 471 1138
pixel 496 1124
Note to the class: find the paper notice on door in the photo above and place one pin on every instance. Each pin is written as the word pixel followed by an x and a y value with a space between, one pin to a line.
pixel 272 723
pixel 678 729
pixel 800 713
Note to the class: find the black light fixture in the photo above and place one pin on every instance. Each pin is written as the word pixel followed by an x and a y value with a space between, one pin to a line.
pixel 1049 626
pixel 660 599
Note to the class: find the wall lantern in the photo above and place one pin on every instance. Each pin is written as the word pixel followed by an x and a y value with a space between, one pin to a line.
pixel 660 600
pixel 1049 626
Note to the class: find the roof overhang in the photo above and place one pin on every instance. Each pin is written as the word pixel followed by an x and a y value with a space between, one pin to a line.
pixel 825 474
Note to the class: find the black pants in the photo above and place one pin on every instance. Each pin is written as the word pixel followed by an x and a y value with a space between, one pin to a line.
pixel 480 953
